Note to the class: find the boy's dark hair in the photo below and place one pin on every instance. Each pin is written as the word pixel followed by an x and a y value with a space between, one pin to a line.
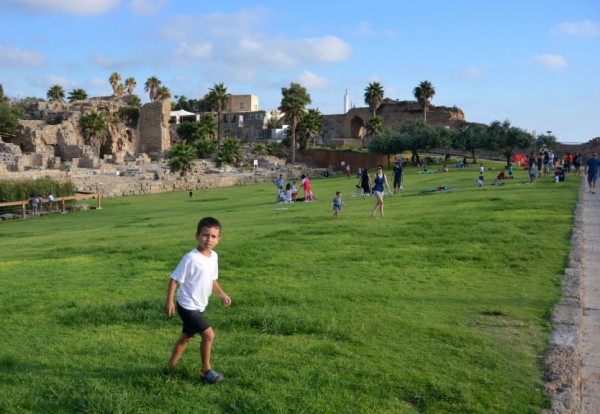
pixel 208 222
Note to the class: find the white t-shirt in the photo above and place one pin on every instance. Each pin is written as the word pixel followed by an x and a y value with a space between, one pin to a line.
pixel 195 274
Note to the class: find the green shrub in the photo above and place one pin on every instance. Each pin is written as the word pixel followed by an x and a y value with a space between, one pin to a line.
pixel 18 190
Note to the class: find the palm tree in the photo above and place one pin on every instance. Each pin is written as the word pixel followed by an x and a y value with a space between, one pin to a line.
pixel 120 90
pixel 423 93
pixel 56 94
pixel 309 127
pixel 374 96
pixel 151 86
pixel 163 93
pixel 374 126
pixel 208 127
pixel 218 98
pixel 95 128
pixel 295 98
pixel 182 158
pixel 134 101
pixel 231 152
pixel 77 95
pixel 114 80
pixel 130 85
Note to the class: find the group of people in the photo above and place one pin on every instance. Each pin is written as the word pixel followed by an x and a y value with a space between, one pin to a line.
pixel 364 181
pixel 288 193
pixel 378 184
pixel 36 203
pixel 547 162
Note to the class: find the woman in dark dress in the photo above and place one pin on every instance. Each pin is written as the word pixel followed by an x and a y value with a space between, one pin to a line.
pixel 365 182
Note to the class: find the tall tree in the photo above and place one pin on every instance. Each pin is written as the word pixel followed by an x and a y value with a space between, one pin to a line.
pixel 114 80
pixel 424 93
pixel 120 91
pixel 77 94
pixel 506 138
pixel 163 93
pixel 191 105
pixel 471 138
pixel 218 98
pixel 130 85
pixel 95 127
pixel 9 117
pixel 56 93
pixel 309 126
pixel 151 87
pixel 295 98
pixel 374 96
pixel 3 98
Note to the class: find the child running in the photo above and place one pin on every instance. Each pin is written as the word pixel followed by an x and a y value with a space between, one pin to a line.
pixel 337 204
pixel 196 276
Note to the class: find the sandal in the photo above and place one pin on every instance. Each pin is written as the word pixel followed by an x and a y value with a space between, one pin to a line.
pixel 212 377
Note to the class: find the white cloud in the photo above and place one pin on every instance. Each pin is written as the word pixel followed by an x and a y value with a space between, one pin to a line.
pixel 243 22
pixel 19 58
pixel 195 50
pixel 252 50
pixel 146 7
pixel 310 80
pixel 471 73
pixel 584 28
pixel 324 49
pixel 77 7
pixel 364 29
pixel 551 61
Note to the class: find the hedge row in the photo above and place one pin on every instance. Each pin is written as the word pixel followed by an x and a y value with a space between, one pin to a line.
pixel 19 190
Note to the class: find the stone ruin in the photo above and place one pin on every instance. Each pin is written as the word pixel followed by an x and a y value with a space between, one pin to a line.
pixel 345 129
pixel 52 136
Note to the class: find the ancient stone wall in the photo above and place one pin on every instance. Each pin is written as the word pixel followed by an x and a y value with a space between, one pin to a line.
pixel 394 114
pixel 52 133
pixel 154 127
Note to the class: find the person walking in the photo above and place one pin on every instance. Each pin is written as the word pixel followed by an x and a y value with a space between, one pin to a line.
pixel 532 171
pixel 337 203
pixel 398 177
pixel 196 275
pixel 365 182
pixel 591 169
pixel 379 182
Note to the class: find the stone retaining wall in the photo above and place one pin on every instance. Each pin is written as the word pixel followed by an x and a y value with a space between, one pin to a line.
pixel 562 359
pixel 140 180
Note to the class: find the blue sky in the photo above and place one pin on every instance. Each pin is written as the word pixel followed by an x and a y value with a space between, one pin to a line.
pixel 535 63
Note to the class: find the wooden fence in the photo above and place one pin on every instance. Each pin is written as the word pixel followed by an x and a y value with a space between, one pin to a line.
pixel 59 201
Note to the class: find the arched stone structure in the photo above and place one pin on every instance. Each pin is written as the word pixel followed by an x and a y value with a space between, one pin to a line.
pixel 356 127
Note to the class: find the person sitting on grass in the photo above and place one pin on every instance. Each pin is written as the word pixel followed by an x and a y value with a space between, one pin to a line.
pixel 196 276
pixel 503 176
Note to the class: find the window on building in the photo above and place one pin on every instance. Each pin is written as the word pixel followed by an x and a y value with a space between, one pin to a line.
pixel 241 106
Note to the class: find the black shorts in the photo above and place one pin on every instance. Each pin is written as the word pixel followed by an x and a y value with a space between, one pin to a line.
pixel 193 321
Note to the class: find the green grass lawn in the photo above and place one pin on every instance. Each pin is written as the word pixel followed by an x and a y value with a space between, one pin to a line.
pixel 442 306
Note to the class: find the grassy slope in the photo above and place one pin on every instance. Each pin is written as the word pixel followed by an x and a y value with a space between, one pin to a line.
pixel 441 306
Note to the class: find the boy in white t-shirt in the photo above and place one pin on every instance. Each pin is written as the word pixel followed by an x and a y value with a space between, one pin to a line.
pixel 196 276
